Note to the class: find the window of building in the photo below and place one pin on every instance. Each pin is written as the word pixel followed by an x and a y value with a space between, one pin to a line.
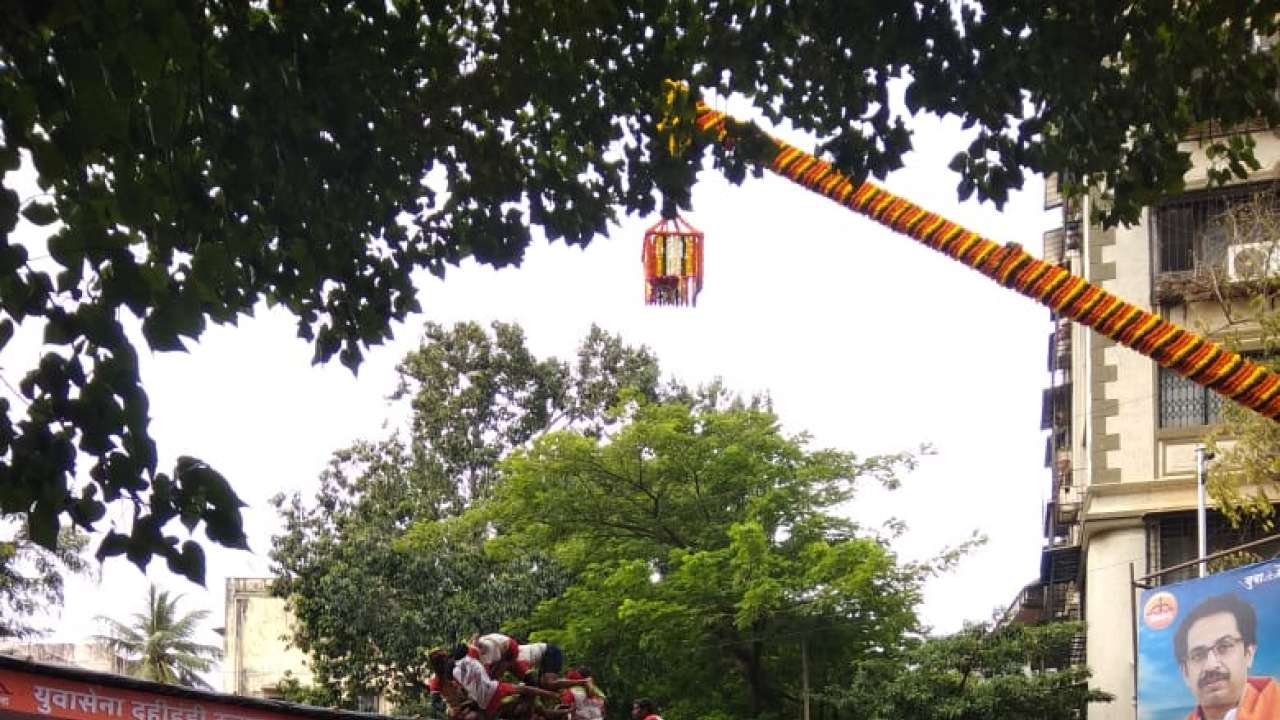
pixel 1183 403
pixel 1186 230
pixel 1172 539
pixel 1055 407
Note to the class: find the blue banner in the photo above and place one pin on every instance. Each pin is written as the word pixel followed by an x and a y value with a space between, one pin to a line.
pixel 1210 648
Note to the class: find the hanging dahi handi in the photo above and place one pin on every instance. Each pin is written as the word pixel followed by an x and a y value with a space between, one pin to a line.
pixel 672 263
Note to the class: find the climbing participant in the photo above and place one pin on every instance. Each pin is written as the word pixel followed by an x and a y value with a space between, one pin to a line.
pixel 497 652
pixel 541 664
pixel 585 701
pixel 443 686
pixel 493 699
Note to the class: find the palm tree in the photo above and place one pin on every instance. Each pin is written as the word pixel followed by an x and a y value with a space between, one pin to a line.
pixel 159 645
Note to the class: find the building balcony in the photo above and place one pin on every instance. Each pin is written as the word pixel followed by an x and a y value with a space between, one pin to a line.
pixel 1028 607
pixel 1055 406
pixel 1062 527
pixel 1059 355
pixel 1215 243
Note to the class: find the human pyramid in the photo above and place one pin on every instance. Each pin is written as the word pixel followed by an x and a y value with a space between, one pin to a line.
pixel 496 676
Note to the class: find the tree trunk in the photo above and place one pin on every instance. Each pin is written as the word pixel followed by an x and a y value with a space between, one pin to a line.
pixel 751 666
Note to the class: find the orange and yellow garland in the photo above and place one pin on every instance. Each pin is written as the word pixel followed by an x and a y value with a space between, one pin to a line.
pixel 672 258
pixel 1196 358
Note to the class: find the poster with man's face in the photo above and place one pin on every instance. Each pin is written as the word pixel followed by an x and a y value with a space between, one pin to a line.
pixel 1210 648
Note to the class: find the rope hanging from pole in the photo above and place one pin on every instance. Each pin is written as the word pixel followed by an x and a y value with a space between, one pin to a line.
pixel 1196 358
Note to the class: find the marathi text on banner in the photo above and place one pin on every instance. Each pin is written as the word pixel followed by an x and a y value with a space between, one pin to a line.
pixel 85 701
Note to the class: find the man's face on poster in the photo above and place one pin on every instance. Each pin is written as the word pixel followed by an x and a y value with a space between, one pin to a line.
pixel 1217 662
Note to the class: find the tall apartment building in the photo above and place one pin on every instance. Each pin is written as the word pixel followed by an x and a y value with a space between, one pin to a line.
pixel 1123 431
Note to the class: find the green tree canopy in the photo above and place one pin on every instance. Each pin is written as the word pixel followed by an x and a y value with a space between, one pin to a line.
pixel 475 395
pixel 160 643
pixel 703 545
pixel 197 158
pixel 980 673
pixel 1244 477
pixel 676 541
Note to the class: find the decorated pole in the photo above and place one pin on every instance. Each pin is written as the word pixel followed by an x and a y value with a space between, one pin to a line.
pixel 1196 358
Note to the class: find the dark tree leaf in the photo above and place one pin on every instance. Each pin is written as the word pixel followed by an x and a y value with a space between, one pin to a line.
pixel 43 525
pixel 40 213
pixel 112 544
pixel 189 563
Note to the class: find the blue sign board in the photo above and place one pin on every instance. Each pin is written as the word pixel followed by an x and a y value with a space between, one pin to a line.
pixel 1210 648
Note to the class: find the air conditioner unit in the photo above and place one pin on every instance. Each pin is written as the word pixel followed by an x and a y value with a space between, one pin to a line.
pixel 1253 261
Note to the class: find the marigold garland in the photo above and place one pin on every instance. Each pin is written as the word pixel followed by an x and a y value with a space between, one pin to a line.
pixel 672 258
pixel 1196 358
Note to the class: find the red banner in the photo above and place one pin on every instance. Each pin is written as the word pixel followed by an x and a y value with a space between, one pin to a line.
pixel 72 700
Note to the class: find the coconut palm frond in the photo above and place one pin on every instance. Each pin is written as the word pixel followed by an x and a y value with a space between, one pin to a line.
pixel 159 644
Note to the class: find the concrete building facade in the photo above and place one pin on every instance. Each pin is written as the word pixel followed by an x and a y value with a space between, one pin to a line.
pixel 257 653
pixel 1122 431
pixel 85 656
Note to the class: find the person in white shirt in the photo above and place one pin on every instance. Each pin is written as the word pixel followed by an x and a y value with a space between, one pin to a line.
pixel 494 650
pixel 585 702
pixel 493 698
pixel 541 664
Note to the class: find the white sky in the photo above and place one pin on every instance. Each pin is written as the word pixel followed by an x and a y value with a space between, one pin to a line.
pixel 863 338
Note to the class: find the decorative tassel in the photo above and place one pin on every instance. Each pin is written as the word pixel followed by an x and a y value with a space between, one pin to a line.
pixel 672 258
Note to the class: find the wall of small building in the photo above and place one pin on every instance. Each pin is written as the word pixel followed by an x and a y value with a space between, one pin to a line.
pixel 256 646
pixel 257 652
pixel 85 656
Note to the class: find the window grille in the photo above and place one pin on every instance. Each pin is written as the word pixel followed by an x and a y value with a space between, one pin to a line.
pixel 1186 404
pixel 1183 225
pixel 1055 406
pixel 1172 539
